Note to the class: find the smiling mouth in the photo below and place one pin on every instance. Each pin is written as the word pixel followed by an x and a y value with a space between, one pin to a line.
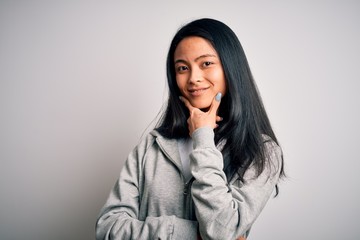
pixel 198 92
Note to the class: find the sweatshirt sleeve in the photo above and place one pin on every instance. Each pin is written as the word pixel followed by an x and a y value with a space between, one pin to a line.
pixel 227 211
pixel 119 218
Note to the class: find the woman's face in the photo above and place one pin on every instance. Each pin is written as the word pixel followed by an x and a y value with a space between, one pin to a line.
pixel 199 73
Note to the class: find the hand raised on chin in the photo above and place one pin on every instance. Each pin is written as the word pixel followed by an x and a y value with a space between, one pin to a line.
pixel 199 118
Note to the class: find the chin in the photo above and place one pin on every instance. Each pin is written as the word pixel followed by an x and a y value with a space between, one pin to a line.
pixel 202 106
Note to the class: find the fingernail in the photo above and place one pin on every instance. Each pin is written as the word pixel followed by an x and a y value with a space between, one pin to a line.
pixel 218 97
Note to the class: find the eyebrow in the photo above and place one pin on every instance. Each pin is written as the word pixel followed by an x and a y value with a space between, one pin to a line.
pixel 196 59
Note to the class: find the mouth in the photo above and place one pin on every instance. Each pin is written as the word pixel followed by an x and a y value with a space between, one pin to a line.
pixel 197 91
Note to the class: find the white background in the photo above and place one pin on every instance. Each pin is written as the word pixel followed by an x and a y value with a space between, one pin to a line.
pixel 81 81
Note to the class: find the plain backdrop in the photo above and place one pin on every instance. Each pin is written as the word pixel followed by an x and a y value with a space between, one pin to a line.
pixel 82 81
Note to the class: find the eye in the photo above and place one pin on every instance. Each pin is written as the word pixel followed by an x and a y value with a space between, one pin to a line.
pixel 207 64
pixel 181 68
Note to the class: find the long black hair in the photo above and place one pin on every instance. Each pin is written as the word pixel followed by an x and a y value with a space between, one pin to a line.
pixel 244 116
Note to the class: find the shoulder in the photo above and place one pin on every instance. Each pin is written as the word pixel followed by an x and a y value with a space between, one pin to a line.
pixel 270 145
pixel 271 160
pixel 272 153
pixel 146 141
pixel 139 152
pixel 153 139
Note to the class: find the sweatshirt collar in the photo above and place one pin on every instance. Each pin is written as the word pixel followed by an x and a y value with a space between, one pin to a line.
pixel 169 147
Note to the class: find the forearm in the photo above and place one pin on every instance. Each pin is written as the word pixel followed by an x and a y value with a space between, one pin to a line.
pixel 224 210
pixel 122 226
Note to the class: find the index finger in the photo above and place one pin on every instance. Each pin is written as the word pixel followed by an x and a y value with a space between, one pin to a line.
pixel 187 103
pixel 215 104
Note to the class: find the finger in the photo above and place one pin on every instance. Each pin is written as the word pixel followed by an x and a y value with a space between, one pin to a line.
pixel 215 104
pixel 187 103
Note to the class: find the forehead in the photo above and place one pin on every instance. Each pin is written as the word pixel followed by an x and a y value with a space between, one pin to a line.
pixel 193 47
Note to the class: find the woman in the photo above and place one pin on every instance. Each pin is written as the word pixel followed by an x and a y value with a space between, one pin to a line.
pixel 211 164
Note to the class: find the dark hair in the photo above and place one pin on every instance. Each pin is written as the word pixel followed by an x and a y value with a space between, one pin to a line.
pixel 244 116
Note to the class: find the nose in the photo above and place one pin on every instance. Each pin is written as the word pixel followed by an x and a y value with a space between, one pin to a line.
pixel 195 75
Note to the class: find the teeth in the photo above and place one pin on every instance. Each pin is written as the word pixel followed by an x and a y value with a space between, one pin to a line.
pixel 198 90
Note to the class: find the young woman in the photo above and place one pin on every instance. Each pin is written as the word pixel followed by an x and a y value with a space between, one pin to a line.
pixel 213 161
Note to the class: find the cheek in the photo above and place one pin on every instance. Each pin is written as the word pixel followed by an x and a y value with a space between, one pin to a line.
pixel 219 82
pixel 180 82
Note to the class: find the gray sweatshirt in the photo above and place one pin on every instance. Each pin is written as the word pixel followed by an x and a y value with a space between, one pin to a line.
pixel 151 199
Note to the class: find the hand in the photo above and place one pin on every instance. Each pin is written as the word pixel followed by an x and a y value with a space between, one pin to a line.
pixel 199 118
